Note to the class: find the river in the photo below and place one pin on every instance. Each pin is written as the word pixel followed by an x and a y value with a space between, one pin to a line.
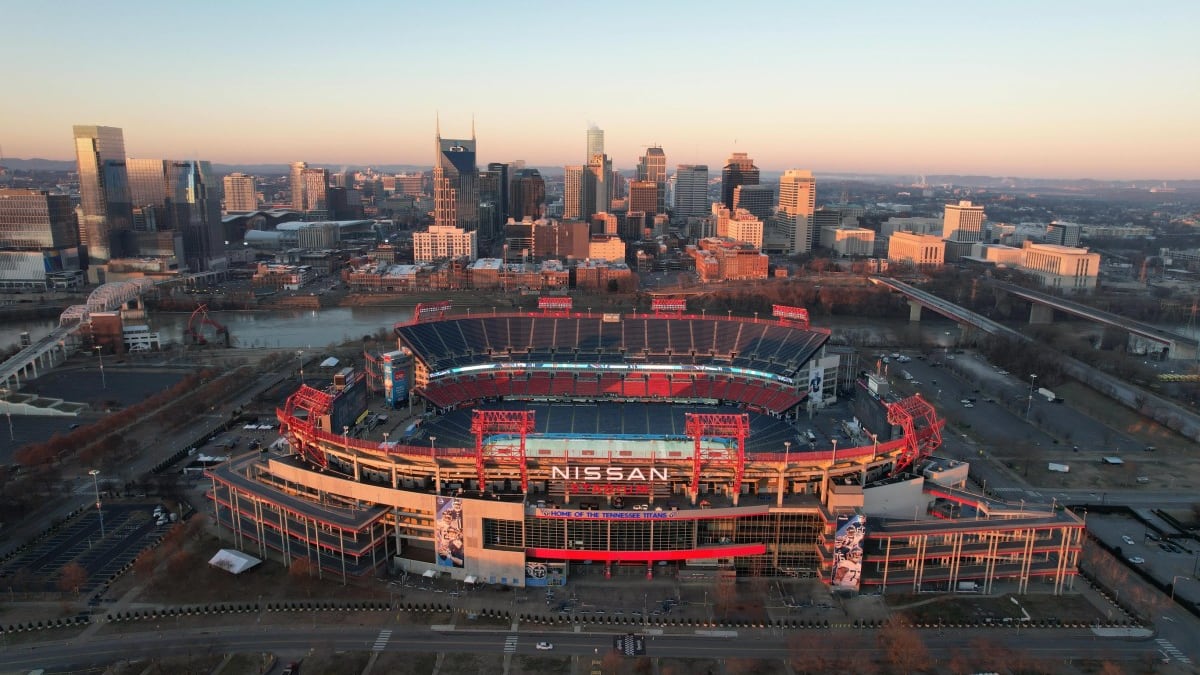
pixel 301 329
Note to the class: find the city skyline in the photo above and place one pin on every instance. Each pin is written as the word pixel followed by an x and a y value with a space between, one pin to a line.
pixel 1072 90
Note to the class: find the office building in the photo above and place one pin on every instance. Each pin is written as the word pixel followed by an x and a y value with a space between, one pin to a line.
pixel 757 199
pixel 1064 234
pixel 456 182
pixel 181 197
pixel 606 247
pixel 797 206
pixel 494 200
pixel 528 195
pixel 296 185
pixel 104 200
pixel 39 241
pixel 691 190
pixel 643 196
pixel 963 222
pixel 652 167
pixel 739 170
pixel 440 242
pixel 241 193
pixel 726 259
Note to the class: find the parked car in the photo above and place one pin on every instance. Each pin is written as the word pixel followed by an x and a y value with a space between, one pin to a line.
pixel 1127 539
pixel 1137 560
pixel 545 646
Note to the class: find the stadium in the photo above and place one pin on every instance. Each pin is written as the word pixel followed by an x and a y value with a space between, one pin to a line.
pixel 559 442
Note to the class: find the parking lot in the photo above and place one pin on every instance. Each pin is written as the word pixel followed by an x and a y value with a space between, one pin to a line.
pixel 129 527
pixel 1168 560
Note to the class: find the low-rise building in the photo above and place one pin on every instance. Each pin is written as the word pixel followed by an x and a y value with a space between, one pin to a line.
pixel 1062 267
pixel 723 258
pixel 596 274
pixel 848 241
pixel 922 250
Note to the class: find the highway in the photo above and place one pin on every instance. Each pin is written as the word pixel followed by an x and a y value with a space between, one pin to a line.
pixel 1055 644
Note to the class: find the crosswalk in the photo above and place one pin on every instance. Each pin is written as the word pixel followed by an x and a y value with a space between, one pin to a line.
pixel 1171 650
pixel 382 640
pixel 510 644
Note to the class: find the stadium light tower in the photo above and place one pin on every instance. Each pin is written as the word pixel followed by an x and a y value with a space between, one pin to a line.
pixel 95 473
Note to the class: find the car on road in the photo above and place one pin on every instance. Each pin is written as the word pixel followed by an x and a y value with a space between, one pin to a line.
pixel 1137 560
pixel 1127 539
pixel 544 646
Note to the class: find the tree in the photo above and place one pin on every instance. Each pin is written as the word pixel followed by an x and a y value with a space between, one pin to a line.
pixel 72 577
pixel 903 647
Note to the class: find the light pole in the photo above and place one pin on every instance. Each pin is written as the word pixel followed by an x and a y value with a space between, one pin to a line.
pixel 8 411
pixel 875 447
pixel 437 468
pixel 300 358
pixel 100 354
pixel 1032 385
pixel 346 437
pixel 95 473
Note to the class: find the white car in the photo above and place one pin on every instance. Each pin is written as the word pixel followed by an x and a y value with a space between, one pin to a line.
pixel 1127 539
pixel 1137 560
pixel 545 645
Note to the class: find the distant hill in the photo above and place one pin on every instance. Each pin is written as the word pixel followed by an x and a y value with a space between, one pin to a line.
pixel 37 164
pixel 986 182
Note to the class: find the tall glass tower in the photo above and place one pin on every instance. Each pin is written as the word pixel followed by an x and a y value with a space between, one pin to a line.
pixel 104 199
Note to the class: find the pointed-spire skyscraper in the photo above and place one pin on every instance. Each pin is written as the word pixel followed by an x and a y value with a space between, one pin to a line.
pixel 455 181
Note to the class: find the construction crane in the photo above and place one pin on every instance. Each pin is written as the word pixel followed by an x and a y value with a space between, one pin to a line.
pixel 195 333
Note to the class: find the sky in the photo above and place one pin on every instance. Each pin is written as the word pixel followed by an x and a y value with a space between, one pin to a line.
pixel 1059 89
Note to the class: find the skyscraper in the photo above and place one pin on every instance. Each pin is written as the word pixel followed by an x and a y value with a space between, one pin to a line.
pixel 797 203
pixel 241 193
pixel 573 192
pixel 963 222
pixel 528 194
pixel 739 170
pixel 104 199
pixel 652 167
pixel 181 196
pixel 296 184
pixel 691 190
pixel 595 142
pixel 316 192
pixel 597 192
pixel 455 182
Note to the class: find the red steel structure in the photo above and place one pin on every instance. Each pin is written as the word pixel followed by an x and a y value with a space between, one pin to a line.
pixel 922 429
pixel 485 422
pixel 714 425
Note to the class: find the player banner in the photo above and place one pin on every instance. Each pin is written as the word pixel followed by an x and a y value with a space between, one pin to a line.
pixel 848 551
pixel 448 532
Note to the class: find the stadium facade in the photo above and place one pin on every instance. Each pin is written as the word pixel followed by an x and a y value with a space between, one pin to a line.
pixel 658 443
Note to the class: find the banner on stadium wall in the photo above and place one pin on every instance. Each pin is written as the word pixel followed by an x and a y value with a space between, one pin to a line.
pixel 848 551
pixel 395 379
pixel 816 383
pixel 448 532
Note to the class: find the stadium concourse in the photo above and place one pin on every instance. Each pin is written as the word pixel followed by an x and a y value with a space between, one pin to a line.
pixel 663 442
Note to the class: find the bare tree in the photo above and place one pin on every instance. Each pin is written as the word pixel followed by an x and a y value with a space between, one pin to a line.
pixel 903 647
pixel 72 577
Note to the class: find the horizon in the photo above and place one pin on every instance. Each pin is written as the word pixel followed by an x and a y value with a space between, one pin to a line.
pixel 1085 91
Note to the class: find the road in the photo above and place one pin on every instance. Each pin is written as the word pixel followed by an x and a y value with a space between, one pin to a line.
pixel 1058 644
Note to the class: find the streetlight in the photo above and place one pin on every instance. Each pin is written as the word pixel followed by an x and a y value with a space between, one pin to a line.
pixel 94 473
pixel 437 468
pixel 346 436
pixel 1032 385
pixel 300 357
pixel 100 354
